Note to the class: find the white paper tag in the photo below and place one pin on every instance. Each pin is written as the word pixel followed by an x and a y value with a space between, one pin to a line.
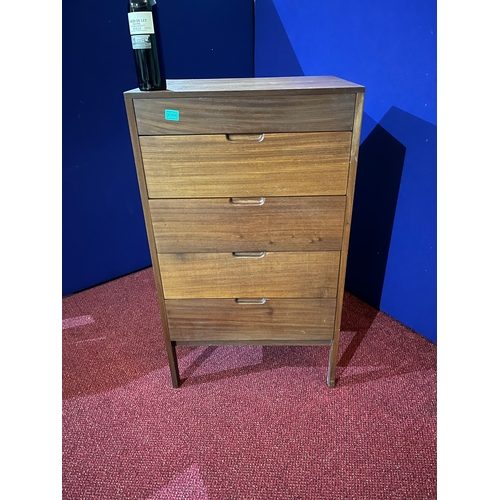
pixel 141 23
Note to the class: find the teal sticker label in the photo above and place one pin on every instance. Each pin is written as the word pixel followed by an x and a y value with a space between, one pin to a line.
pixel 172 115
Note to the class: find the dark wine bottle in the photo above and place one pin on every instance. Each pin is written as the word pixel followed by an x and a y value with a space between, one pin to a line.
pixel 142 32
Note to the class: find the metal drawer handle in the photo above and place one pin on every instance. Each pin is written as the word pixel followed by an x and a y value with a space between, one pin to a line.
pixel 250 301
pixel 251 255
pixel 247 201
pixel 245 137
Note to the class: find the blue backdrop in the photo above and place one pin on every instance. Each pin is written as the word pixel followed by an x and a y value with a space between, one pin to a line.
pixel 389 47
pixel 104 234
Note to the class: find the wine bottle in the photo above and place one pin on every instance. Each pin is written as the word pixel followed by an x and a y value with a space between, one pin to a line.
pixel 144 44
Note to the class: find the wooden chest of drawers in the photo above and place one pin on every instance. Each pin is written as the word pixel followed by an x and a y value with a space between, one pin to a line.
pixel 247 188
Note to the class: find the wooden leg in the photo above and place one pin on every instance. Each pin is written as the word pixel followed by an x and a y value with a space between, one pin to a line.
pixel 332 361
pixel 174 367
pixel 170 346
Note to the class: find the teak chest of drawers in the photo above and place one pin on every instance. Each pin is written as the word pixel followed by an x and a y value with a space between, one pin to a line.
pixel 247 188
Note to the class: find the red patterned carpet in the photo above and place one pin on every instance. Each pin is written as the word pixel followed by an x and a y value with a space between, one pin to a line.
pixel 248 422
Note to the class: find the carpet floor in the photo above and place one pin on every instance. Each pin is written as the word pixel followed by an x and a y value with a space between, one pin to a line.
pixel 248 422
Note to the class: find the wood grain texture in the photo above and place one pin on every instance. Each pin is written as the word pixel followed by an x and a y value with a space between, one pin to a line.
pixel 209 166
pixel 297 84
pixel 223 225
pixel 275 275
pixel 353 166
pixel 250 114
pixel 293 141
pixel 259 86
pixel 208 341
pixel 171 353
pixel 276 319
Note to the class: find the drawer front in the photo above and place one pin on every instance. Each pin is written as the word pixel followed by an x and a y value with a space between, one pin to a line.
pixel 207 166
pixel 271 320
pixel 265 275
pixel 248 224
pixel 225 115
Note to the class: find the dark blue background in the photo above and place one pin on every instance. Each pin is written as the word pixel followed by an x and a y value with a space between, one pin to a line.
pixel 387 46
pixel 104 234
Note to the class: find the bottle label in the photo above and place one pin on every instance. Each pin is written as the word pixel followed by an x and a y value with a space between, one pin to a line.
pixel 141 42
pixel 141 23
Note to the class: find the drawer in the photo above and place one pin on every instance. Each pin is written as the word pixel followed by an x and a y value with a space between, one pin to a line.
pixel 270 320
pixel 265 274
pixel 208 166
pixel 249 114
pixel 248 224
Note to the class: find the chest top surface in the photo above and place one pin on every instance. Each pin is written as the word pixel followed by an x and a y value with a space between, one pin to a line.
pixel 294 85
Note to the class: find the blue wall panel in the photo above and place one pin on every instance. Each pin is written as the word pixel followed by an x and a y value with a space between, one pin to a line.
pixel 104 235
pixel 410 292
pixel 390 48
pixel 274 54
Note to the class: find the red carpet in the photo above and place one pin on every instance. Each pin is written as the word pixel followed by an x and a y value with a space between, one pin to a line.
pixel 248 422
